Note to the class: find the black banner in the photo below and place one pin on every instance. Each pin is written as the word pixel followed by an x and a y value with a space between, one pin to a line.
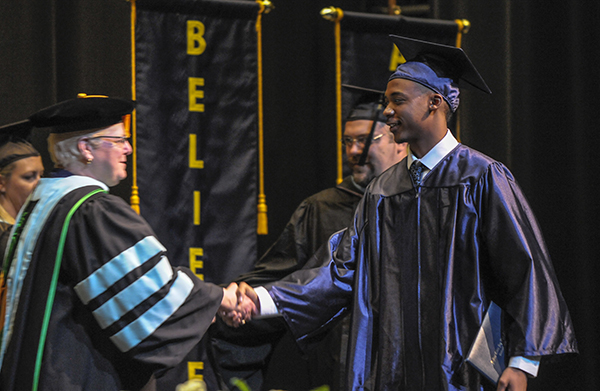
pixel 196 139
pixel 369 56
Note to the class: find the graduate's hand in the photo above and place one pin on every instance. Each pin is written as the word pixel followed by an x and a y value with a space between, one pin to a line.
pixel 512 379
pixel 236 307
pixel 248 300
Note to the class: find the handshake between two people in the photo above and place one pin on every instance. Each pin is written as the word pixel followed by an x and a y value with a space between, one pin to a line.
pixel 240 304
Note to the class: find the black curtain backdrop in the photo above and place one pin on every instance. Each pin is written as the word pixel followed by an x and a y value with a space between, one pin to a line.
pixel 538 57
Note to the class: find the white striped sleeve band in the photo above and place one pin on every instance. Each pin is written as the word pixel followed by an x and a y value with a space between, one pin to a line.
pixel 103 278
pixel 142 327
pixel 134 294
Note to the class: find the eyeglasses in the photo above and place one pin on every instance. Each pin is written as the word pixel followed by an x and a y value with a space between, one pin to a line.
pixel 360 140
pixel 117 140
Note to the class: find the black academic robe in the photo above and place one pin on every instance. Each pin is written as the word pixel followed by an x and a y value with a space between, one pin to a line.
pixel 418 269
pixel 121 312
pixel 311 225
pixel 261 345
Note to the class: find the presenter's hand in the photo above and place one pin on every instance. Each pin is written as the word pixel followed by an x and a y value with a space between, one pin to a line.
pixel 229 302
pixel 238 305
pixel 228 310
pixel 248 300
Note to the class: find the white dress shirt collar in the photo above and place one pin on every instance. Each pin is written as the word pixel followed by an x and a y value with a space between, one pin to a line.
pixel 436 154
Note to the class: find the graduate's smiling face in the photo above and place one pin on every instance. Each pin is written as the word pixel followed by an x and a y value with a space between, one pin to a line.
pixel 407 109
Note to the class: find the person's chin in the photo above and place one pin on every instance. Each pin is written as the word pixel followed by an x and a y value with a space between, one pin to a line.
pixel 117 179
pixel 363 178
pixel 121 177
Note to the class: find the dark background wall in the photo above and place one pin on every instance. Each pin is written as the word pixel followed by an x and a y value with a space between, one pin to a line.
pixel 538 57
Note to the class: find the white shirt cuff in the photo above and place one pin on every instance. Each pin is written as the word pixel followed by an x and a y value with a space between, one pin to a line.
pixel 267 305
pixel 529 365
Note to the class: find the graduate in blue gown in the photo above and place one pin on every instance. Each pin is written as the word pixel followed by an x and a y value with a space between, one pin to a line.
pixel 434 240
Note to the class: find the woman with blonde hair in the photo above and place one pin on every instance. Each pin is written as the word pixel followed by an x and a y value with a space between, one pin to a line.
pixel 20 170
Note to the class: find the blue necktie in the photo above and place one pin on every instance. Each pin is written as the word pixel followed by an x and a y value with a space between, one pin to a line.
pixel 416 172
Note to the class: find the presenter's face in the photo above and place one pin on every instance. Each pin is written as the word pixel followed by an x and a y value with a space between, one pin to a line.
pixel 110 150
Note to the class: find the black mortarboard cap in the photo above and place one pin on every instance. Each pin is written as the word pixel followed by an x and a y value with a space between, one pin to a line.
pixel 450 66
pixel 86 112
pixel 368 106
pixel 365 104
pixel 20 130
pixel 14 142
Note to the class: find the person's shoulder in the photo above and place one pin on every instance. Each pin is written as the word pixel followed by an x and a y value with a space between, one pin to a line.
pixel 5 226
pixel 99 203
pixel 473 156
pixel 112 202
pixel 321 195
pixel 343 190
pixel 394 180
pixel 393 171
pixel 110 214
pixel 65 190
pixel 473 164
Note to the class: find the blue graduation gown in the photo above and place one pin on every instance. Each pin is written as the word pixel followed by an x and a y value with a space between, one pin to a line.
pixel 418 269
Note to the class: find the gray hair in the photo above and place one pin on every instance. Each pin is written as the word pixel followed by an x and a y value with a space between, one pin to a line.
pixel 64 147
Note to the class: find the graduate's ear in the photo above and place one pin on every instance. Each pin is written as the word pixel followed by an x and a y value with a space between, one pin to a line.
pixel 85 149
pixel 435 101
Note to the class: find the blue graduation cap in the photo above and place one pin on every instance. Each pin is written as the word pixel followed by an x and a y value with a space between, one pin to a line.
pixel 438 67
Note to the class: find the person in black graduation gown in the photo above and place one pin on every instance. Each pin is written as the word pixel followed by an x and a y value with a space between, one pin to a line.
pixel 270 358
pixel 434 240
pixel 20 170
pixel 330 210
pixel 92 300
